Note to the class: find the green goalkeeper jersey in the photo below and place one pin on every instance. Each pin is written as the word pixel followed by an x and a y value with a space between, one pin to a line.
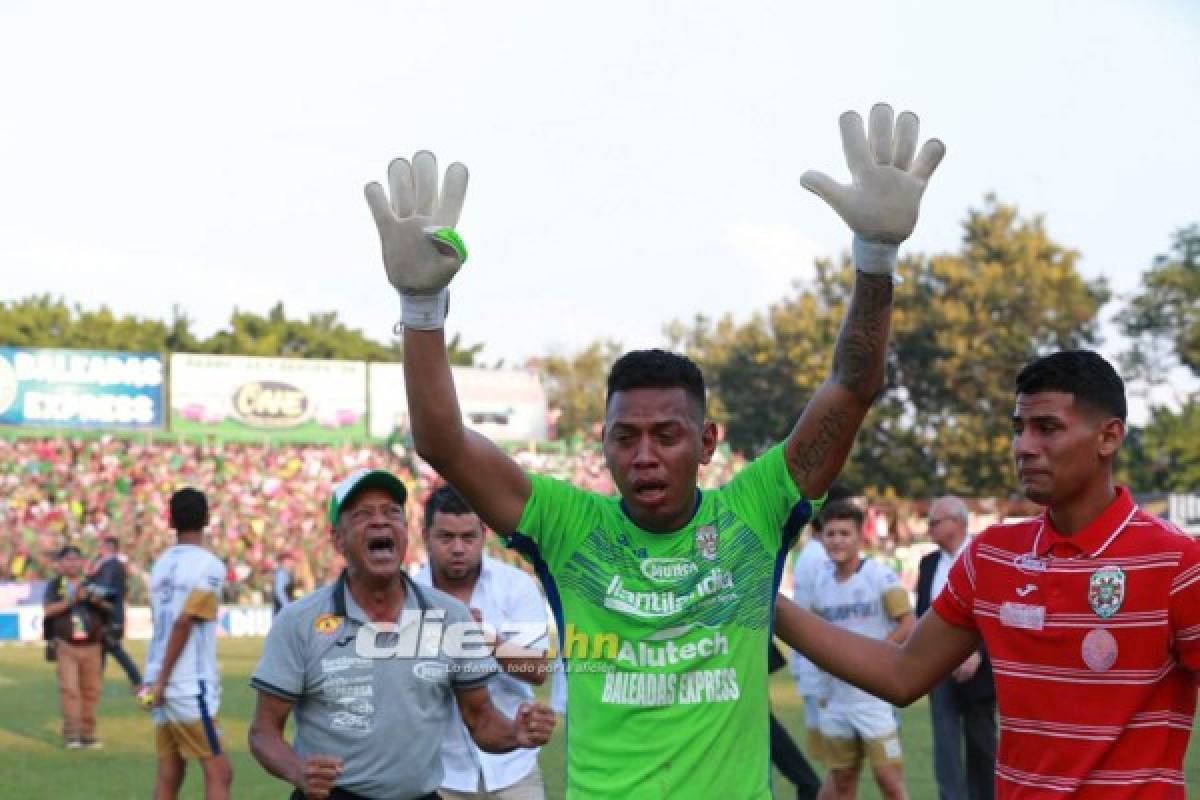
pixel 665 636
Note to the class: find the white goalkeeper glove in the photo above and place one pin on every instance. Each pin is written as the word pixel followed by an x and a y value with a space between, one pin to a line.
pixel 880 203
pixel 421 250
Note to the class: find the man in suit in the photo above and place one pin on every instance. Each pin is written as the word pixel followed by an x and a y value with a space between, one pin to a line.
pixel 963 706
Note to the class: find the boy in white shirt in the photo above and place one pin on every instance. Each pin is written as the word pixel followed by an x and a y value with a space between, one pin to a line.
pixel 864 596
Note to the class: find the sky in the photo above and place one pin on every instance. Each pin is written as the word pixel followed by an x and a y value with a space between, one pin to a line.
pixel 631 163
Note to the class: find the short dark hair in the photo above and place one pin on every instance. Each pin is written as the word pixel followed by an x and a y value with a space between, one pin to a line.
pixel 189 510
pixel 842 509
pixel 656 369
pixel 447 500
pixel 68 550
pixel 111 541
pixel 1083 374
pixel 834 494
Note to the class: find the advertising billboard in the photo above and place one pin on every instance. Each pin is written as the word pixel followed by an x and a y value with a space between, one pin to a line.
pixel 279 399
pixel 50 388
pixel 506 405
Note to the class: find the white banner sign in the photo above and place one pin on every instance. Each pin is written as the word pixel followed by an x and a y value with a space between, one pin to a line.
pixel 290 399
pixel 502 404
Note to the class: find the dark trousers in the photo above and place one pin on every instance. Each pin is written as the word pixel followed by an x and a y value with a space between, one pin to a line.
pixel 958 720
pixel 786 756
pixel 112 644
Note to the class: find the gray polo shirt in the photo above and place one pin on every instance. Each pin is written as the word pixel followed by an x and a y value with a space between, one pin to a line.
pixel 383 708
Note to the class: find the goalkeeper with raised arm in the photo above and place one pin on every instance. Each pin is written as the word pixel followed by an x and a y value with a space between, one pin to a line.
pixel 664 595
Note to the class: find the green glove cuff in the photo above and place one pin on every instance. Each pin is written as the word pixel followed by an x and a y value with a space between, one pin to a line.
pixel 448 242
pixel 875 258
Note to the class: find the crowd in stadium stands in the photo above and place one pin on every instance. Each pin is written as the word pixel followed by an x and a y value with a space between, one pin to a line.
pixel 266 500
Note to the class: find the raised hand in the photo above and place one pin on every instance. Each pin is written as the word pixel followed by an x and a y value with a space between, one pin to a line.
pixel 533 724
pixel 888 177
pixel 421 250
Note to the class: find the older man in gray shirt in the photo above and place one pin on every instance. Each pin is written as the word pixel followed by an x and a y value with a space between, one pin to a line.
pixel 372 666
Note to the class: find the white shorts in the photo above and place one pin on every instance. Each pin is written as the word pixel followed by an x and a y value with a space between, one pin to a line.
pixel 187 727
pixel 859 721
pixel 851 733
pixel 189 707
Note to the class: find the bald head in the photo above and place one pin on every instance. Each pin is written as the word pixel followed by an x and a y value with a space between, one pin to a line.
pixel 948 517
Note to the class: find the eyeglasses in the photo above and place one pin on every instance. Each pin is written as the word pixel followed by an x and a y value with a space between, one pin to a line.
pixel 935 520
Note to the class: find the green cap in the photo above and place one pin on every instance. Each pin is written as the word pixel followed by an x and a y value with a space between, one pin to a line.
pixel 365 479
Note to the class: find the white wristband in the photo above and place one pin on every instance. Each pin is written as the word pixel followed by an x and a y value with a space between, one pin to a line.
pixel 424 312
pixel 875 258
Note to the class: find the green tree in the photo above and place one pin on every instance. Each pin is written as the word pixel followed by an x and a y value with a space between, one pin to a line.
pixel 321 336
pixel 1165 316
pixel 1164 456
pixel 1163 324
pixel 964 325
pixel 575 385
pixel 46 321
pixel 762 372
pixel 180 338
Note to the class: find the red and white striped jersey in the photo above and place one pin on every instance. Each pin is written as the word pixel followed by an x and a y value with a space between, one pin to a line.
pixel 1095 645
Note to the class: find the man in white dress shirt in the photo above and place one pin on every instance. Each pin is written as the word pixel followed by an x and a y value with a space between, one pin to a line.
pixel 507 601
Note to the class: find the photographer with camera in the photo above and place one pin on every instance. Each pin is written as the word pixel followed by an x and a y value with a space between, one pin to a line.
pixel 75 613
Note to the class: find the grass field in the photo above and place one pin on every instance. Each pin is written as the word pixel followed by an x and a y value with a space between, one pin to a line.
pixel 33 763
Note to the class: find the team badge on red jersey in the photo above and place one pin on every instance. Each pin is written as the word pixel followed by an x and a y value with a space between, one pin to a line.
pixel 1106 591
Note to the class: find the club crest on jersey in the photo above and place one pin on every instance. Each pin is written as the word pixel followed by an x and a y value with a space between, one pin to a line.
pixel 706 541
pixel 1106 591
pixel 326 624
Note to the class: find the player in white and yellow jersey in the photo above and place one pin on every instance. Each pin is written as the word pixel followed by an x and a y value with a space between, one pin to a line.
pixel 182 683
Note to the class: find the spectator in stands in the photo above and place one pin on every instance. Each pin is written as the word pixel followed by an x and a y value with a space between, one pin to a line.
pixel 20 564
pixel 75 611
pixel 54 489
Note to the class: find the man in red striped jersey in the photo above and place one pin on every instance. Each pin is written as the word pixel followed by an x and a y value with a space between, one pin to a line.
pixel 1091 612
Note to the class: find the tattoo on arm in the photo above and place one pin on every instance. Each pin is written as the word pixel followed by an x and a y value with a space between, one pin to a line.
pixel 830 430
pixel 861 348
